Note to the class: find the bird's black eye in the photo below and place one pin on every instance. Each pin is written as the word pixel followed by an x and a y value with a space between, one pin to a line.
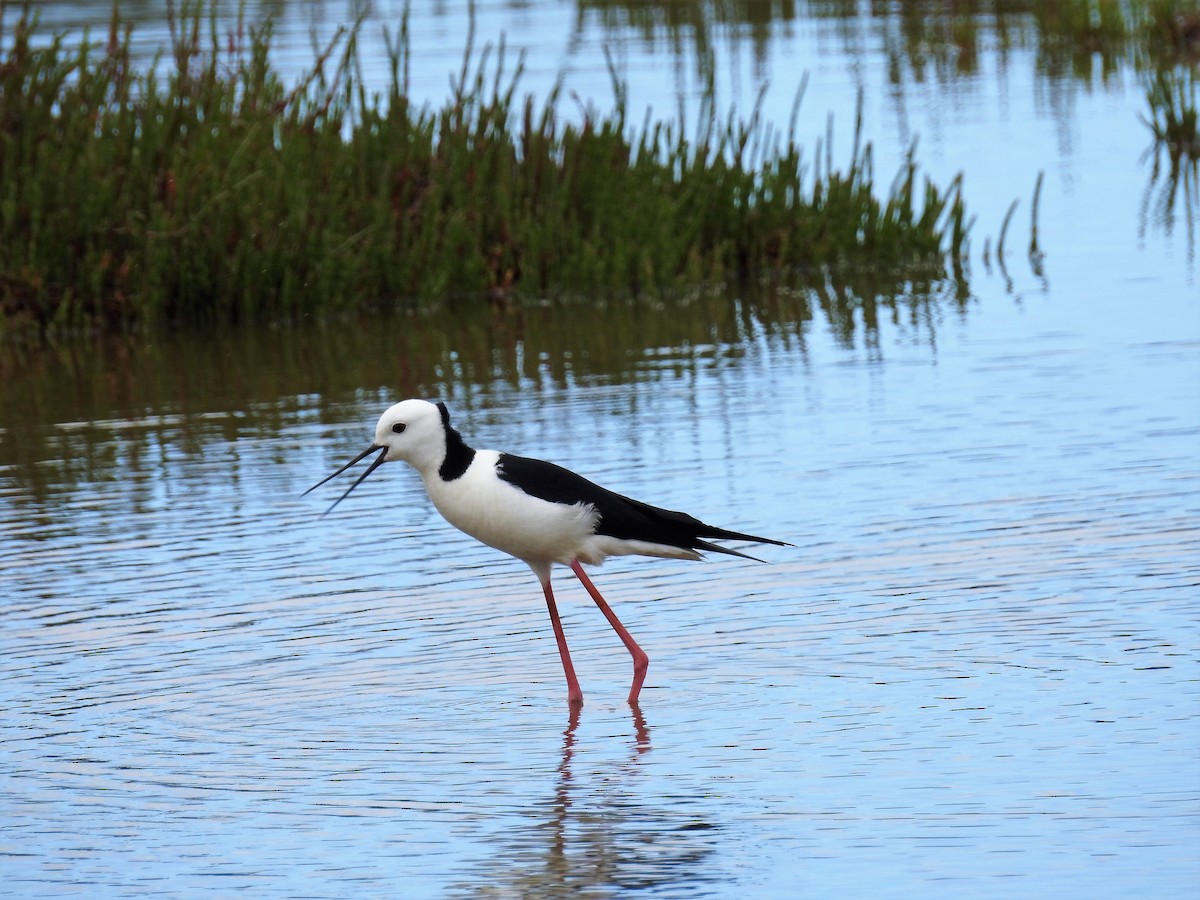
pixel 399 427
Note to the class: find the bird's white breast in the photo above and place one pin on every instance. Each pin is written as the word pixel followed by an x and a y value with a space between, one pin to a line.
pixel 503 516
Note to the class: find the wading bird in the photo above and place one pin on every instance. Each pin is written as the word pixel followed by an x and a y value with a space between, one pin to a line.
pixel 536 511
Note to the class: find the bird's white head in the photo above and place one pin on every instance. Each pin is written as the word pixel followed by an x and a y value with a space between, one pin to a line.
pixel 413 431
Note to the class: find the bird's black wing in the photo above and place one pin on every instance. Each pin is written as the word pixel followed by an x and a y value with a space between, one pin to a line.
pixel 620 517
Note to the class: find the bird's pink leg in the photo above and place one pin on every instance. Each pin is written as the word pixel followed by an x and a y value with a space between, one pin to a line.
pixel 574 694
pixel 640 660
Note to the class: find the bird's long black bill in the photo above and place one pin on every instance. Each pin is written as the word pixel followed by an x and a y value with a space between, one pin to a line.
pixel 371 468
pixel 361 478
pixel 356 459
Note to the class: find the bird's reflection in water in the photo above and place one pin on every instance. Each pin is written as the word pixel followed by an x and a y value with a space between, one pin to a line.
pixel 601 830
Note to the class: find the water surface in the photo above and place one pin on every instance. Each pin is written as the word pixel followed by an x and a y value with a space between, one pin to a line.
pixel 975 674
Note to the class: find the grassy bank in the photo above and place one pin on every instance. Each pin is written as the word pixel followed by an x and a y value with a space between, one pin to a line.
pixel 218 193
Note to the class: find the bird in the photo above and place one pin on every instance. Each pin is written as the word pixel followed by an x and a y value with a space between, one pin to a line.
pixel 538 512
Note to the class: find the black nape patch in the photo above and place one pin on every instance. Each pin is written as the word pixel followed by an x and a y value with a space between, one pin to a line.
pixel 458 454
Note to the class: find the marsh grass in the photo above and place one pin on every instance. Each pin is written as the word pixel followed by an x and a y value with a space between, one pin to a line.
pixel 1173 191
pixel 1174 118
pixel 215 193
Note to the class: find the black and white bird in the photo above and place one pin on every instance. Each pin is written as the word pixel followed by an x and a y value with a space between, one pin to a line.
pixel 536 511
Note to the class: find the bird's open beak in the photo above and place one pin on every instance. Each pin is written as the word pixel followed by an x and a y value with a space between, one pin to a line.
pixel 371 468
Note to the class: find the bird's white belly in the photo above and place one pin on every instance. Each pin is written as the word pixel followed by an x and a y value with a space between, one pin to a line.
pixel 505 517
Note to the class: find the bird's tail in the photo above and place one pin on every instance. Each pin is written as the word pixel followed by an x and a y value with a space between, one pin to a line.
pixel 727 535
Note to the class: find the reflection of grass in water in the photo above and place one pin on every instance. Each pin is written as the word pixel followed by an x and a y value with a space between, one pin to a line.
pixel 1174 120
pixel 472 360
pixel 1170 30
pixel 217 194
pixel 933 37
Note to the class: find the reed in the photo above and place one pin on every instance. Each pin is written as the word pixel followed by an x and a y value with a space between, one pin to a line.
pixel 217 194
pixel 1174 112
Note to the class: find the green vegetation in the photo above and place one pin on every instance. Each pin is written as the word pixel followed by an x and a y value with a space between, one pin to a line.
pixel 218 194
pixel 1173 101
pixel 1174 186
pixel 1174 119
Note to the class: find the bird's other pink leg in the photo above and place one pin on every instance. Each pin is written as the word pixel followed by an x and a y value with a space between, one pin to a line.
pixel 640 660
pixel 574 694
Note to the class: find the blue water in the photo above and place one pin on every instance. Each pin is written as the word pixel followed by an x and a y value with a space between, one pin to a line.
pixel 974 675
